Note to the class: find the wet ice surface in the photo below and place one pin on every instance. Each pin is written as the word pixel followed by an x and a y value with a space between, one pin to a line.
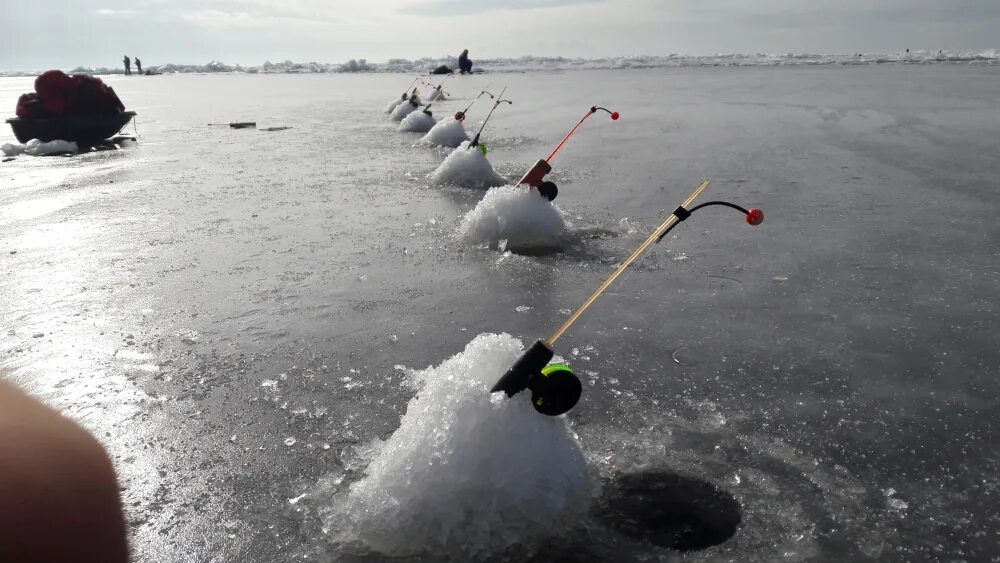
pixel 805 367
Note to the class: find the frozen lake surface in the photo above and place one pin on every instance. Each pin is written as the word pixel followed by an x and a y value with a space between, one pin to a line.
pixel 234 313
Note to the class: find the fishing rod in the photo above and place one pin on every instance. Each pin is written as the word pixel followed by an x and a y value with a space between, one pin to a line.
pixel 427 108
pixel 460 115
pixel 411 86
pixel 555 389
pixel 533 177
pixel 499 100
pixel 440 84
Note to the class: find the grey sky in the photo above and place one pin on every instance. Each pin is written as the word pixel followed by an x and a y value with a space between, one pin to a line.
pixel 68 33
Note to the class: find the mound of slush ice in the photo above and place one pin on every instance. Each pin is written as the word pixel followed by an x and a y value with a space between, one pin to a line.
pixel 417 122
pixel 467 167
pixel 517 214
pixel 405 108
pixel 467 474
pixel 447 133
pixel 394 104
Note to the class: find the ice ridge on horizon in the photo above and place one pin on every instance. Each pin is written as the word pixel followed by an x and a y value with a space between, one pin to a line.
pixel 538 63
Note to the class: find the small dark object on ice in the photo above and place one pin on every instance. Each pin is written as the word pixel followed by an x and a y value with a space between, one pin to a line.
pixel 243 125
pixel 113 144
pixel 8 159
pixel 443 69
pixel 275 128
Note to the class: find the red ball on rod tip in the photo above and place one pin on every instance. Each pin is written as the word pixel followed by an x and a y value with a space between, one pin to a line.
pixel 755 216
pixel 615 116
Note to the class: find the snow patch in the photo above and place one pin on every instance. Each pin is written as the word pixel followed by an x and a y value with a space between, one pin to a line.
pixel 417 122
pixel 467 167
pixel 35 147
pixel 406 108
pixel 447 133
pixel 468 473
pixel 521 216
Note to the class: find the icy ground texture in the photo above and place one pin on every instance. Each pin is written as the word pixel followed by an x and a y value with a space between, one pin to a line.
pixel 447 133
pixel 516 214
pixel 394 104
pixel 467 473
pixel 417 122
pixel 467 167
pixel 406 108
pixel 35 147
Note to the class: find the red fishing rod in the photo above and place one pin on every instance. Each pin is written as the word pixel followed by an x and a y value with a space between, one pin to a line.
pixel 534 176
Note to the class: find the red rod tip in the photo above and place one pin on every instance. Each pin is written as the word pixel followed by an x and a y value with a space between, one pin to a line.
pixel 615 116
pixel 755 216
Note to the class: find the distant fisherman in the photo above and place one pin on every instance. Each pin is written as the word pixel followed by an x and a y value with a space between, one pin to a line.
pixel 138 65
pixel 128 65
pixel 464 64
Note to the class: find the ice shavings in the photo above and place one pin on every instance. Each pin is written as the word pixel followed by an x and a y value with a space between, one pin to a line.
pixel 436 94
pixel 36 147
pixel 405 108
pixel 417 122
pixel 467 473
pixel 522 216
pixel 467 167
pixel 394 104
pixel 447 133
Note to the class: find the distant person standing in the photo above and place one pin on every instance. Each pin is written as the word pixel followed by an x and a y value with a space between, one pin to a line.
pixel 128 65
pixel 464 64
pixel 138 65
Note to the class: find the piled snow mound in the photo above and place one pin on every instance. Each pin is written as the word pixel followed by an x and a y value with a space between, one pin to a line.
pixel 405 108
pixel 467 474
pixel 516 214
pixel 11 149
pixel 436 95
pixel 447 133
pixel 467 167
pixel 394 104
pixel 417 122
pixel 35 147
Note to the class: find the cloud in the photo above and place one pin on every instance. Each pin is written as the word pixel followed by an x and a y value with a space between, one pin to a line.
pixel 219 19
pixel 467 7
pixel 114 12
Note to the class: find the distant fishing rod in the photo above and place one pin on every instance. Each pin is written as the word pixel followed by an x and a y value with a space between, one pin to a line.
pixel 499 100
pixel 534 176
pixel 460 115
pixel 427 108
pixel 405 92
pixel 555 389
pixel 440 84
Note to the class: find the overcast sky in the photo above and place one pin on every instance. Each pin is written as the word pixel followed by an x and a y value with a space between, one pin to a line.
pixel 41 34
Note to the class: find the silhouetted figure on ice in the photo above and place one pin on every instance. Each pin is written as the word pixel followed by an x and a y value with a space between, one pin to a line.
pixel 464 64
pixel 128 65
pixel 138 65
